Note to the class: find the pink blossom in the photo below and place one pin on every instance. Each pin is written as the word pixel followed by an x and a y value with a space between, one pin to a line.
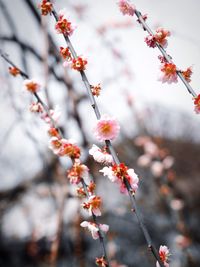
pixel 168 73
pixel 64 147
pixel 187 74
pixel 45 7
pixel 31 85
pixel 117 174
pixel 197 104
pixel 144 160
pixel 93 228
pixel 164 256
pixel 161 35
pixel 126 7
pixel 168 162
pixel 78 63
pixel 151 149
pixel 63 25
pixel 77 172
pixel 150 41
pixel 177 204
pixel 36 107
pixel 141 140
pixel 70 149
pixel 101 262
pixel 93 205
pixel 107 171
pixel 100 156
pixel 157 168
pixel 55 144
pixel 107 128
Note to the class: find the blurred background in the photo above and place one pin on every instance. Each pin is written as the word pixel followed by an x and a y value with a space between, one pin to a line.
pixel 39 211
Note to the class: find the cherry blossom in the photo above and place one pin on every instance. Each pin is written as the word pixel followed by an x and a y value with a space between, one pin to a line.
pixel 91 187
pixel 126 7
pixel 157 168
pixel 14 71
pixel 81 192
pixel 64 147
pixel 46 7
pixel 95 89
pixel 150 41
pixel 101 262
pixel 197 104
pixel 177 204
pixel 55 144
pixel 65 53
pixel 164 256
pixel 159 37
pixel 93 228
pixel 187 74
pixel 107 128
pixel 77 172
pixel 78 63
pixel 151 148
pixel 141 140
pixel 36 107
pixel 168 73
pixel 63 25
pixel 31 85
pixel 53 132
pixel 168 162
pixel 118 172
pixel 100 156
pixel 70 149
pixel 144 160
pixel 93 205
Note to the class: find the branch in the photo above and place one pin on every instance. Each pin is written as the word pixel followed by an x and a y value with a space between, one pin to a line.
pixel 164 53
pixel 112 151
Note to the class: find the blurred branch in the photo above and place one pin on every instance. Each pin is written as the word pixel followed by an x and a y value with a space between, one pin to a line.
pixel 12 194
pixel 55 245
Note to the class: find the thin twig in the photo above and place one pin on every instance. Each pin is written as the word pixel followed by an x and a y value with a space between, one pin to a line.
pixel 112 151
pixel 164 53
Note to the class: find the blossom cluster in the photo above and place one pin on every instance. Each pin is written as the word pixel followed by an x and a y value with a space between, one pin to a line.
pixel 126 7
pixel 79 172
pixel 169 71
pixel 118 173
pixel 78 63
pixel 160 37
